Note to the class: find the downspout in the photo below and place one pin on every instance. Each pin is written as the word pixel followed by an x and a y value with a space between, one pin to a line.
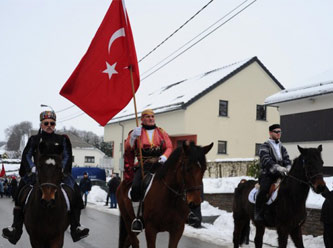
pixel 121 160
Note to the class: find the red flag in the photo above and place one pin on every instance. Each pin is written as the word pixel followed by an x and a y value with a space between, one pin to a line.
pixel 101 83
pixel 3 172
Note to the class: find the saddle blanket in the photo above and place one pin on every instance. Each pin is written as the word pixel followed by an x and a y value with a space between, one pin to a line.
pixel 147 190
pixel 253 195
pixel 63 192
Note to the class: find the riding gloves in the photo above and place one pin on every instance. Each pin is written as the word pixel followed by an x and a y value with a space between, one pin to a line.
pixel 135 133
pixel 162 159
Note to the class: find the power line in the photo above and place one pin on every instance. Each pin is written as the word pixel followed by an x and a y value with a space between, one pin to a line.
pixel 237 13
pixel 73 117
pixel 65 109
pixel 192 17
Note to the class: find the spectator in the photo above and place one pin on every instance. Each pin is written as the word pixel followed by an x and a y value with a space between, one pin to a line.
pixel 85 186
pixel 13 184
pixel 1 189
pixel 113 185
pixel 327 218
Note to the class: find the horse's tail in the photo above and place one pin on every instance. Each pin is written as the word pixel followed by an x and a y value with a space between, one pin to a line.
pixel 122 233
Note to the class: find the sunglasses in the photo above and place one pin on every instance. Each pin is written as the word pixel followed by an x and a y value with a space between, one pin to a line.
pixel 277 132
pixel 46 123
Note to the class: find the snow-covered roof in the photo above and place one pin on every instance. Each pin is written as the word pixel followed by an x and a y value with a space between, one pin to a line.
pixel 181 94
pixel 311 90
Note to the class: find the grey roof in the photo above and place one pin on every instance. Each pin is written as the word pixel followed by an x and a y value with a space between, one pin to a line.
pixel 181 94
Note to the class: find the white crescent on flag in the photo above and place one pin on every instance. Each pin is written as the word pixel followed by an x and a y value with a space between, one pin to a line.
pixel 119 33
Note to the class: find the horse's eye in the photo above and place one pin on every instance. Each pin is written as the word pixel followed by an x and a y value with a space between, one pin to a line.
pixel 199 164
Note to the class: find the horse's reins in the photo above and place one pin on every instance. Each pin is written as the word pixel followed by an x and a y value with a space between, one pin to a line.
pixel 185 190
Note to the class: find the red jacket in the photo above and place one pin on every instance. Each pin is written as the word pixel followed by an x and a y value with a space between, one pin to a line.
pixel 160 140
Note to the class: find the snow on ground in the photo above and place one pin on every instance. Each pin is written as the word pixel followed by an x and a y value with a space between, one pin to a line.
pixel 220 232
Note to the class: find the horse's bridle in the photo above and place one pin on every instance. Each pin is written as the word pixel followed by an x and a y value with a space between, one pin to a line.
pixel 308 178
pixel 183 192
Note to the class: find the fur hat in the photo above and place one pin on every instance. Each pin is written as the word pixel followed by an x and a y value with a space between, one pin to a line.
pixel 47 115
pixel 274 126
pixel 147 112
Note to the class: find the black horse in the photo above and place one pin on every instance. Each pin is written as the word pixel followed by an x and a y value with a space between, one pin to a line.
pixel 288 212
pixel 46 214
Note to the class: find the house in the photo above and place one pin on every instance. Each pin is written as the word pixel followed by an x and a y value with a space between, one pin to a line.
pixel 84 154
pixel 306 118
pixel 224 106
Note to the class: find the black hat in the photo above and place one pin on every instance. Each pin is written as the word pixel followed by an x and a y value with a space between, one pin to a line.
pixel 274 126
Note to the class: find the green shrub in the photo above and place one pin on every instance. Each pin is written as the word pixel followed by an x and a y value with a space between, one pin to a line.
pixel 254 169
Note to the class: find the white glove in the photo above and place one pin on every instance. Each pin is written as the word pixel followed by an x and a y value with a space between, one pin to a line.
pixel 162 159
pixel 33 169
pixel 279 168
pixel 134 134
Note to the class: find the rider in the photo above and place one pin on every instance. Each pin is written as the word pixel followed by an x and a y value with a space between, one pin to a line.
pixel 275 162
pixel 27 172
pixel 155 143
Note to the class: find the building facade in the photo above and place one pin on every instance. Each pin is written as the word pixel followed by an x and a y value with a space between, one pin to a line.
pixel 224 106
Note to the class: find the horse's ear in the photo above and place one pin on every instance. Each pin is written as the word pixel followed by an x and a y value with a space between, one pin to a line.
pixel 186 146
pixel 320 148
pixel 206 149
pixel 301 150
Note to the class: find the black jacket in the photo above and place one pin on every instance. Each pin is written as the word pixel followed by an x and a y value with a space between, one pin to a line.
pixel 268 157
pixel 85 185
pixel 113 184
pixel 327 208
pixel 60 145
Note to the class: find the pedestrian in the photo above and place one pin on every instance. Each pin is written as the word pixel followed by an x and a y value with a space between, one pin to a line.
pixel 108 193
pixel 275 162
pixel 1 189
pixel 13 184
pixel 114 183
pixel 327 217
pixel 85 186
pixel 60 145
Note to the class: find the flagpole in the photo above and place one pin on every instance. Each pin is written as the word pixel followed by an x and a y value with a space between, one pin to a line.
pixel 137 121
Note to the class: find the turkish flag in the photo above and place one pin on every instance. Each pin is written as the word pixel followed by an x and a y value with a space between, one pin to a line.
pixel 3 172
pixel 101 83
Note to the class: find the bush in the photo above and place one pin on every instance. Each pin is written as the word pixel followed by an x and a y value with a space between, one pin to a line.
pixel 254 169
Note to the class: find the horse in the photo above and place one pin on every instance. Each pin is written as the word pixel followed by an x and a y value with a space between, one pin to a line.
pixel 176 186
pixel 288 212
pixel 45 213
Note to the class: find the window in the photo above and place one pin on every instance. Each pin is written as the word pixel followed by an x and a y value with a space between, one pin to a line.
pixel 223 108
pixel 89 159
pixel 257 149
pixel 261 112
pixel 222 147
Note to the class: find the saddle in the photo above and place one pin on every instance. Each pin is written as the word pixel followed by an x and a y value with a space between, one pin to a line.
pixel 146 184
pixel 273 192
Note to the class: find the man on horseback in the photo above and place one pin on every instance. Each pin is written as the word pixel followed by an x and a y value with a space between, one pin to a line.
pixel 155 146
pixel 275 162
pixel 61 145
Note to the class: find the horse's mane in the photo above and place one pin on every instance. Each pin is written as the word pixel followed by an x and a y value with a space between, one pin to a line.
pixel 172 160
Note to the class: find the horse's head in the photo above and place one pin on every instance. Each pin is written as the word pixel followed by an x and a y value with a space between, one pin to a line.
pixel 193 169
pixel 313 167
pixel 49 170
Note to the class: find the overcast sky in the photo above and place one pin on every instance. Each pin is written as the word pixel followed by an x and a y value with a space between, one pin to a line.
pixel 42 41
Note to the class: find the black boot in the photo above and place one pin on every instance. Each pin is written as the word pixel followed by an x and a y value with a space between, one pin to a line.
pixel 258 213
pixel 13 233
pixel 77 232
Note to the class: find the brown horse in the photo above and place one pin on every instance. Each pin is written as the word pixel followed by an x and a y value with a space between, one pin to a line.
pixel 288 212
pixel 176 186
pixel 45 214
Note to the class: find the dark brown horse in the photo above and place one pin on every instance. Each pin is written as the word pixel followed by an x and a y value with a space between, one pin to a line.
pixel 45 214
pixel 176 186
pixel 288 212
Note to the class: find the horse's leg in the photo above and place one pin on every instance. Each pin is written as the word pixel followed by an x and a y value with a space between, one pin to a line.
pixel 296 236
pixel 260 230
pixel 57 243
pixel 150 233
pixel 282 237
pixel 238 227
pixel 175 235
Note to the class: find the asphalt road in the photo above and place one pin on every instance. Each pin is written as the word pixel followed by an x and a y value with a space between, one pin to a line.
pixel 103 231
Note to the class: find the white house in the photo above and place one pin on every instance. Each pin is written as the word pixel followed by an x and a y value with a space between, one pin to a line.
pixel 224 106
pixel 307 118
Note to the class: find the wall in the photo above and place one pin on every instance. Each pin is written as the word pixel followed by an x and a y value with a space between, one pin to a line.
pixel 218 169
pixel 80 153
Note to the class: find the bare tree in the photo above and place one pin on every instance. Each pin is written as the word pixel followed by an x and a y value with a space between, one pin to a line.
pixel 14 134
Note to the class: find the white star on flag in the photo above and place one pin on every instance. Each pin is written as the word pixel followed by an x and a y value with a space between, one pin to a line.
pixel 110 69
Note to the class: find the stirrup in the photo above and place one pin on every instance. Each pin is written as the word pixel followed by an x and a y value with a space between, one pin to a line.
pixel 137 225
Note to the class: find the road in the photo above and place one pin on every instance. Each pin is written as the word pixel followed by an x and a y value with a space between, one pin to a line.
pixel 103 231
